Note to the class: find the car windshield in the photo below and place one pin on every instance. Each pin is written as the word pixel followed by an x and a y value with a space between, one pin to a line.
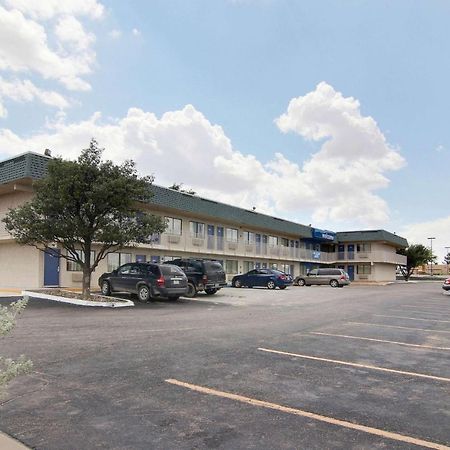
pixel 213 266
pixel 171 270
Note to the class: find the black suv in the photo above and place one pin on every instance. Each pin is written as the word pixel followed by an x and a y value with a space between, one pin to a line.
pixel 148 281
pixel 203 275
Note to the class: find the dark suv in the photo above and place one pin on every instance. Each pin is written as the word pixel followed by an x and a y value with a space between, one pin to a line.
pixel 148 281
pixel 203 275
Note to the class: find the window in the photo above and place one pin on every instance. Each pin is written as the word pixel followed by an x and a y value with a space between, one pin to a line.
pixel 75 267
pixel 365 248
pixel 363 269
pixel 173 226
pixel 274 266
pixel 169 258
pixel 248 265
pixel 273 241
pixel 249 237
pixel 115 260
pixel 231 266
pixel 232 235
pixel 284 242
pixel 286 268
pixel 197 229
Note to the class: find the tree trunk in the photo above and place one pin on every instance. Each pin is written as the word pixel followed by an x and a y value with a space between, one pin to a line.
pixel 86 283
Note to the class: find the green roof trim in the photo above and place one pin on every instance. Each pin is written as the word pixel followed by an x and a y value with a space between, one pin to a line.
pixel 34 166
pixel 28 165
pixel 194 204
pixel 372 235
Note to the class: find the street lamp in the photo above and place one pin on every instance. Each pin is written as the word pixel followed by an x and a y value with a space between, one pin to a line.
pixel 447 250
pixel 431 248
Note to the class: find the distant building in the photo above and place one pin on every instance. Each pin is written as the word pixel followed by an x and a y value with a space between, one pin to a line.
pixel 241 239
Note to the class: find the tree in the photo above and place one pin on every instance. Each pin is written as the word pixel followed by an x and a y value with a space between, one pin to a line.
pixel 86 203
pixel 8 367
pixel 416 255
pixel 447 259
pixel 178 187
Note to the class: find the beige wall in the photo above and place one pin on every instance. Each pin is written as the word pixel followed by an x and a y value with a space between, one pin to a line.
pixel 20 266
pixel 384 272
pixel 7 201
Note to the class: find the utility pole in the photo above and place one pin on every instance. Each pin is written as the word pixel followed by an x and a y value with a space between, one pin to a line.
pixel 431 248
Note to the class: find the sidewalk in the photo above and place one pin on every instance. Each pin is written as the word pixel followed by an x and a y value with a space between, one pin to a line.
pixel 5 292
pixel 9 443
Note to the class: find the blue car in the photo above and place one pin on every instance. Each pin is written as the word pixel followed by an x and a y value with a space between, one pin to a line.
pixel 269 278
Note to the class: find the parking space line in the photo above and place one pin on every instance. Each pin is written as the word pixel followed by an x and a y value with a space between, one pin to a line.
pixel 380 340
pixel 419 312
pixel 302 413
pixel 361 366
pixel 402 328
pixel 422 306
pixel 412 318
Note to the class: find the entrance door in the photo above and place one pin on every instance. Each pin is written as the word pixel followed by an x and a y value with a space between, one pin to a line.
pixel 51 267
pixel 351 272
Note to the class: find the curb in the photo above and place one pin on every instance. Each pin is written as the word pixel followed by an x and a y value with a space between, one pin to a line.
pixel 74 301
pixel 9 443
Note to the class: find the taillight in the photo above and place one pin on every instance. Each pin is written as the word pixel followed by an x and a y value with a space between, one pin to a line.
pixel 282 277
pixel 342 277
pixel 160 281
pixel 205 279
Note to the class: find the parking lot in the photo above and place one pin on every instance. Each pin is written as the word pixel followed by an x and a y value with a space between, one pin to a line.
pixel 305 368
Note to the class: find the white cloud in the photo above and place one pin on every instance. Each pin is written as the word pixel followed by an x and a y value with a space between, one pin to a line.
pixel 336 185
pixel 47 9
pixel 70 30
pixel 26 91
pixel 419 233
pixel 440 148
pixel 136 32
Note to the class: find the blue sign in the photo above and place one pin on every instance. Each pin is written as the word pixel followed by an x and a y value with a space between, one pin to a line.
pixel 316 254
pixel 323 234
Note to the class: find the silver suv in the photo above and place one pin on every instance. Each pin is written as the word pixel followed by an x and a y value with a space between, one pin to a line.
pixel 332 277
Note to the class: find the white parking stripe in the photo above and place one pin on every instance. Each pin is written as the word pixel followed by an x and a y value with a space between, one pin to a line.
pixel 403 328
pixel 424 306
pixel 309 415
pixel 419 312
pixel 380 340
pixel 412 318
pixel 361 366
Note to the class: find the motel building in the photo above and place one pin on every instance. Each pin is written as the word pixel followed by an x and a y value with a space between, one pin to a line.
pixel 197 227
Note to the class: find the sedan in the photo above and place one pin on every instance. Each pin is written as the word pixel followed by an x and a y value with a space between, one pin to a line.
pixel 269 278
pixel 148 281
pixel 446 285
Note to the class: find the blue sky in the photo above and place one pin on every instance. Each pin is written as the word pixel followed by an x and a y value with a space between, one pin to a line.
pixel 370 77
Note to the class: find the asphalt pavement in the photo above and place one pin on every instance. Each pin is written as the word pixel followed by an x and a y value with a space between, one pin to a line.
pixel 306 368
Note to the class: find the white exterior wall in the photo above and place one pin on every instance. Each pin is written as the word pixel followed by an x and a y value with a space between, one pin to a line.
pixel 384 272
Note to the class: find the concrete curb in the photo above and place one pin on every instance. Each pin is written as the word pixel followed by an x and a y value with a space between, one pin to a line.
pixel 73 301
pixel 9 443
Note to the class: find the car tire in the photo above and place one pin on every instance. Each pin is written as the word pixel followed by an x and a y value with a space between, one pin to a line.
pixel 210 291
pixel 301 282
pixel 271 284
pixel 144 293
pixel 173 298
pixel 192 291
pixel 237 284
pixel 106 288
pixel 334 283
pixel 283 287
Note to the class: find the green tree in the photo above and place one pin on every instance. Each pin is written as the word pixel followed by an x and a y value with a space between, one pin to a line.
pixel 86 203
pixel 179 187
pixel 416 255
pixel 8 367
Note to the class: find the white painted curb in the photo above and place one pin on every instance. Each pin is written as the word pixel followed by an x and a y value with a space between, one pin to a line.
pixel 74 301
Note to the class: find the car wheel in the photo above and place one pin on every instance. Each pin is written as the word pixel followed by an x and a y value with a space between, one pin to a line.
pixel 106 288
pixel 192 291
pixel 271 284
pixel 237 284
pixel 144 294
pixel 301 282
pixel 282 287
pixel 334 283
pixel 210 291
pixel 173 298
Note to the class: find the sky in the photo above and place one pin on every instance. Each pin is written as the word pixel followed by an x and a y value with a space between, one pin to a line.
pixel 330 113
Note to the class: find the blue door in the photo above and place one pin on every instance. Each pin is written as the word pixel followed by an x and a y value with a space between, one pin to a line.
pixel 351 272
pixel 210 237
pixel 51 267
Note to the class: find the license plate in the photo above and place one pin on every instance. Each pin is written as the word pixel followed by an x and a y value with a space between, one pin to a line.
pixel 175 282
pixel 217 285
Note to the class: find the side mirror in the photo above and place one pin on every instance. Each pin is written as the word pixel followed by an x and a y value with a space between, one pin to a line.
pixel 114 272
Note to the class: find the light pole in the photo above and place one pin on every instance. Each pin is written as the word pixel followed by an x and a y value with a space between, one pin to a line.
pixel 431 248
pixel 447 250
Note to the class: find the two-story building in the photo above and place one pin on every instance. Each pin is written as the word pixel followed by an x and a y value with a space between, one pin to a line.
pixel 240 239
